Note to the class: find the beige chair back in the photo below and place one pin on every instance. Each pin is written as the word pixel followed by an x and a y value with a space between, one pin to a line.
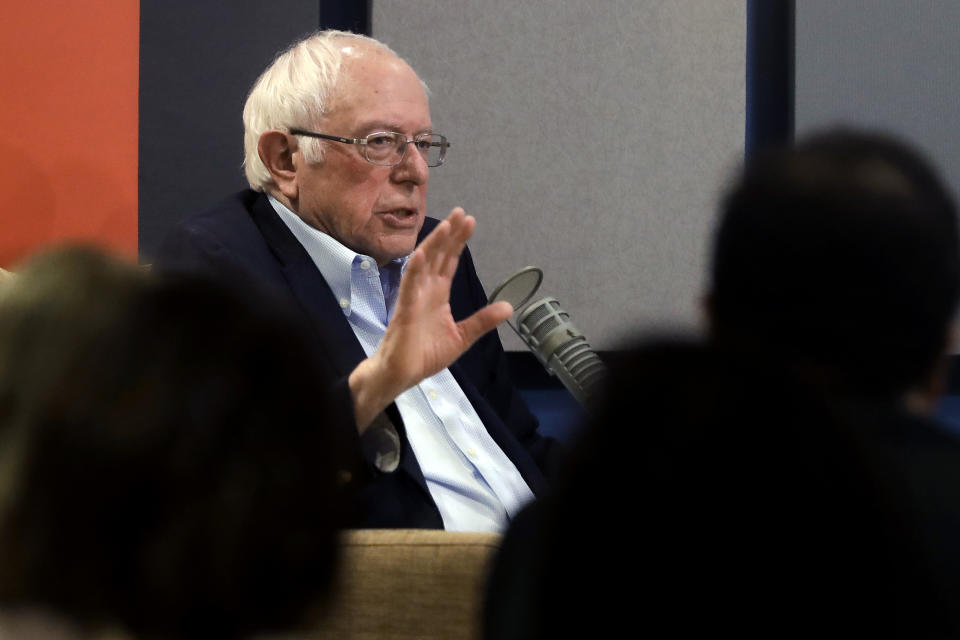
pixel 410 583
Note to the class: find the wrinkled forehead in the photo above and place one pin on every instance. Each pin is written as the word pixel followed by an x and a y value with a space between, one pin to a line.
pixel 369 76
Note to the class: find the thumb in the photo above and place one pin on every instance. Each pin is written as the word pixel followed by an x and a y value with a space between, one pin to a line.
pixel 483 321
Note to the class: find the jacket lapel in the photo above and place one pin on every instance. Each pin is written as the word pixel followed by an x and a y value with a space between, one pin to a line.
pixel 314 296
pixel 310 290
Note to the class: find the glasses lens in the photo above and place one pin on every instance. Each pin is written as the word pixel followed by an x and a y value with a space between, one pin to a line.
pixel 387 148
pixel 433 148
pixel 384 147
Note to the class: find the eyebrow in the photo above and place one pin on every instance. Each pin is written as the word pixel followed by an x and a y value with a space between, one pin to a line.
pixel 382 125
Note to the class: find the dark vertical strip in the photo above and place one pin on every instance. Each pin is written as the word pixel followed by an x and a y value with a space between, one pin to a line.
pixel 198 60
pixel 770 73
pixel 346 16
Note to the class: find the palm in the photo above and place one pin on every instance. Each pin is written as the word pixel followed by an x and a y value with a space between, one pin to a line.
pixel 423 338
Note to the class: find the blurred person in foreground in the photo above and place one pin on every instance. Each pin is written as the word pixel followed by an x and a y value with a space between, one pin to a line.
pixel 158 476
pixel 787 478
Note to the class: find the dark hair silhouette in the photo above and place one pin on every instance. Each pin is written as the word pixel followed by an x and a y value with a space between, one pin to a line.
pixel 170 463
pixel 767 484
pixel 713 494
pixel 840 253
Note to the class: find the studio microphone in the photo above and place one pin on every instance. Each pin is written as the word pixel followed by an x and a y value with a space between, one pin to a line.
pixel 547 331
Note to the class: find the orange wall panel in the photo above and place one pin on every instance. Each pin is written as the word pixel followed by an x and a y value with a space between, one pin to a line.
pixel 68 125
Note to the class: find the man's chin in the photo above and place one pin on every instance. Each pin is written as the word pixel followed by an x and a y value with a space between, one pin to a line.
pixel 396 243
pixel 394 251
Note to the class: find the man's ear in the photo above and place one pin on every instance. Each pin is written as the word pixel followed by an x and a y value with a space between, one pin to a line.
pixel 276 150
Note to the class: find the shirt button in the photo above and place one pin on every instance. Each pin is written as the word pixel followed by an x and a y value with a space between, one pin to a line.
pixel 432 395
pixel 472 453
pixel 365 265
pixel 344 303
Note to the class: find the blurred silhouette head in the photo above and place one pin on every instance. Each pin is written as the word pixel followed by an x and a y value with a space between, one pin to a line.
pixel 841 254
pixel 164 461
pixel 757 508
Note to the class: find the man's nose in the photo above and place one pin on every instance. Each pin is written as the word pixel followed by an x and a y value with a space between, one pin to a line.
pixel 412 166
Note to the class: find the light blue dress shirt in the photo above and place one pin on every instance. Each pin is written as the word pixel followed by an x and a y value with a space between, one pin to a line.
pixel 473 483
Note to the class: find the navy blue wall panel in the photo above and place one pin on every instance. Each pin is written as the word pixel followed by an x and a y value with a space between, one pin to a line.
pixel 197 63
pixel 770 73
pixel 198 60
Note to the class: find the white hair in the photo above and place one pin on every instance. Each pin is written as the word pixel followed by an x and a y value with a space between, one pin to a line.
pixel 294 92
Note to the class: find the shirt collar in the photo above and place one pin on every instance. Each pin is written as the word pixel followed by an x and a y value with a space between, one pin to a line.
pixel 334 261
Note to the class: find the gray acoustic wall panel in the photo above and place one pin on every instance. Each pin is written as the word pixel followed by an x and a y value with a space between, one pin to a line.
pixel 590 139
pixel 882 63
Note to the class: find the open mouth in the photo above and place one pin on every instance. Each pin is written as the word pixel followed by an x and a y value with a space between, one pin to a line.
pixel 401 216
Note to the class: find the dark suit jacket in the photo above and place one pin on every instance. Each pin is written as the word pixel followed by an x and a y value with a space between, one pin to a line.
pixel 245 241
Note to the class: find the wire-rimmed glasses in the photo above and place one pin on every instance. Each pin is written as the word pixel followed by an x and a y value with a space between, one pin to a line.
pixel 386 148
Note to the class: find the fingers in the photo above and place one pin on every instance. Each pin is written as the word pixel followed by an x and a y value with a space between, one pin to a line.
pixel 414 266
pixel 442 248
pixel 460 233
pixel 484 320
pixel 441 233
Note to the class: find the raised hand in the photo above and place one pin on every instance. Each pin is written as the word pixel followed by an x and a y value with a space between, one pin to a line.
pixel 422 338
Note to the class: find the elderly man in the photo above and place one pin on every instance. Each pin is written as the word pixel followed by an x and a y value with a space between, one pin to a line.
pixel 339 146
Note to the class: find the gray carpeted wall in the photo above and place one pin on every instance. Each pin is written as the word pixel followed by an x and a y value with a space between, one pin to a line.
pixel 883 63
pixel 590 139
